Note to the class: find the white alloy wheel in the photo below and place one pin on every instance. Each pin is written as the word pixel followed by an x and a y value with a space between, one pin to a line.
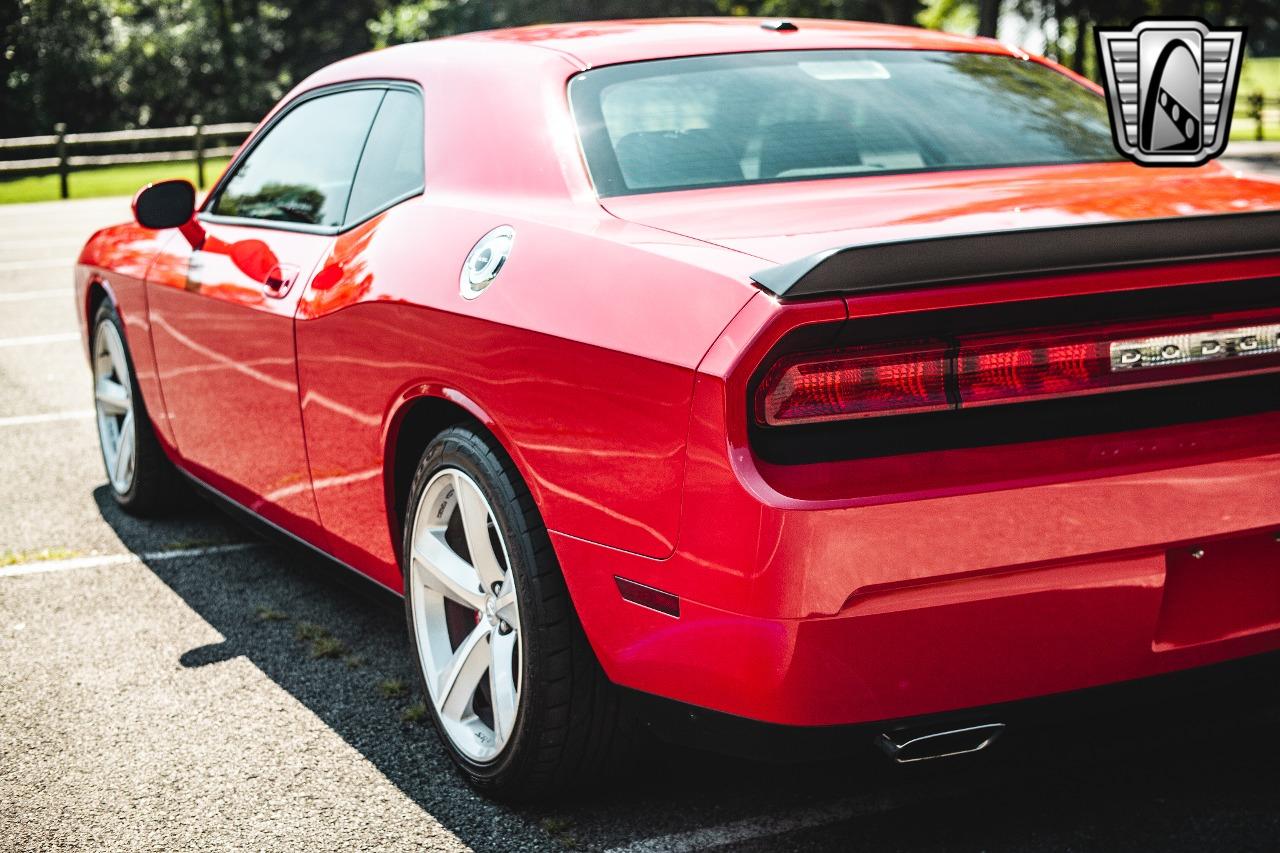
pixel 466 619
pixel 113 403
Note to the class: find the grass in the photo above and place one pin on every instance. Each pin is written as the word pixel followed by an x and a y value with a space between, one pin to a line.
pixel 1258 75
pixel 104 181
pixel 1244 129
pixel 328 647
pixel 15 558
pixel 557 825
pixel 309 631
pixel 414 713
pixel 325 645
pixel 270 614
pixel 558 828
pixel 392 688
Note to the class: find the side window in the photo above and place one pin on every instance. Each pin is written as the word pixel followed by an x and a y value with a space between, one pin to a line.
pixel 391 168
pixel 302 169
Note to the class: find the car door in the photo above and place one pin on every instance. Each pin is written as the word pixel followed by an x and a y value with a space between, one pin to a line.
pixel 343 368
pixel 222 315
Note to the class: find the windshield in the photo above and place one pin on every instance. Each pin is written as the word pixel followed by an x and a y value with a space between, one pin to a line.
pixel 800 115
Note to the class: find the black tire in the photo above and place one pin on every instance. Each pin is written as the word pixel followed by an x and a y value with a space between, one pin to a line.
pixel 570 728
pixel 157 487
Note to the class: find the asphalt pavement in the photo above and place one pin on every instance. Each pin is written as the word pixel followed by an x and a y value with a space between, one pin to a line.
pixel 183 684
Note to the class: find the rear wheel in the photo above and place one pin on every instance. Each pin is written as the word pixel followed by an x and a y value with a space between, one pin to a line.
pixel 142 479
pixel 516 693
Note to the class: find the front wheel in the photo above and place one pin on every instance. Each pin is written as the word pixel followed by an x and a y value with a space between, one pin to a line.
pixel 515 691
pixel 142 479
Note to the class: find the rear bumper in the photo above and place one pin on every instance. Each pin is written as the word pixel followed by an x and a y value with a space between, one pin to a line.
pixel 803 608
pixel 941 646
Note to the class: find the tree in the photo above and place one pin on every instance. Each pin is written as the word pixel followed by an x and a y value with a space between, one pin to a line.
pixel 53 68
pixel 107 64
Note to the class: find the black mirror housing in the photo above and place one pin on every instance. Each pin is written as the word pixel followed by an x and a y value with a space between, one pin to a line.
pixel 166 204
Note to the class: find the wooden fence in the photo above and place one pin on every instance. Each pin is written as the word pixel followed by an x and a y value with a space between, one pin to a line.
pixel 1262 111
pixel 60 144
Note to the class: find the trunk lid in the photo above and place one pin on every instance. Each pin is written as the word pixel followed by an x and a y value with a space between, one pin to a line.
pixel 782 222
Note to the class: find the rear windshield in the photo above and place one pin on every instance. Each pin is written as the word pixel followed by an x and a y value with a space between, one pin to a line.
pixel 799 115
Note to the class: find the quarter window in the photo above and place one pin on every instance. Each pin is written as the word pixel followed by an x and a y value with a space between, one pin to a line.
pixel 302 170
pixel 391 167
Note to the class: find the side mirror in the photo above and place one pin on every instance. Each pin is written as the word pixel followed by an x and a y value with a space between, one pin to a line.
pixel 169 204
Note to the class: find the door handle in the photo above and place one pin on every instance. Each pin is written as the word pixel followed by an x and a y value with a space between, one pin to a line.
pixel 280 280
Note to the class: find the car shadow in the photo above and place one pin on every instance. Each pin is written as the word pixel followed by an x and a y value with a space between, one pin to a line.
pixel 337 644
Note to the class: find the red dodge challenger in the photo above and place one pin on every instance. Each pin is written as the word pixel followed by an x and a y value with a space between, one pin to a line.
pixel 793 376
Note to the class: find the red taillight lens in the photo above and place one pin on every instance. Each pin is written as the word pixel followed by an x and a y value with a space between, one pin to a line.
pixel 989 369
pixel 854 383
pixel 1006 372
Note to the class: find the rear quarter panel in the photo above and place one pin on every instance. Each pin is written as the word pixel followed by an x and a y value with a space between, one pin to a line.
pixel 580 357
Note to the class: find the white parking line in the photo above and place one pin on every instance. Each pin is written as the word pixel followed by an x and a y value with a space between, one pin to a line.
pixel 48 417
pixel 766 826
pixel 105 561
pixel 47 293
pixel 33 340
pixel 47 264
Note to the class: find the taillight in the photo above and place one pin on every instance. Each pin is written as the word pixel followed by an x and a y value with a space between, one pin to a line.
pixel 984 370
pixel 855 383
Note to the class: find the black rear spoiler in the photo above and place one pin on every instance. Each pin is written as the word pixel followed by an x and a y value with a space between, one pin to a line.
pixel 1026 252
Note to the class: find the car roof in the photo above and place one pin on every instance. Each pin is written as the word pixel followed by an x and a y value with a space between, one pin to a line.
pixel 595 43
pixel 521 55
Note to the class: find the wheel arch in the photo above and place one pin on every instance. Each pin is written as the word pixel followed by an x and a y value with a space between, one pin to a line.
pixel 96 292
pixel 420 414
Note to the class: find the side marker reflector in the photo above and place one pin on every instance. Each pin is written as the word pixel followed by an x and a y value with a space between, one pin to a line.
pixel 647 596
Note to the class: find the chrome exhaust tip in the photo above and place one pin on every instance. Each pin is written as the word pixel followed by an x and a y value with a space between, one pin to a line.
pixel 912 746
